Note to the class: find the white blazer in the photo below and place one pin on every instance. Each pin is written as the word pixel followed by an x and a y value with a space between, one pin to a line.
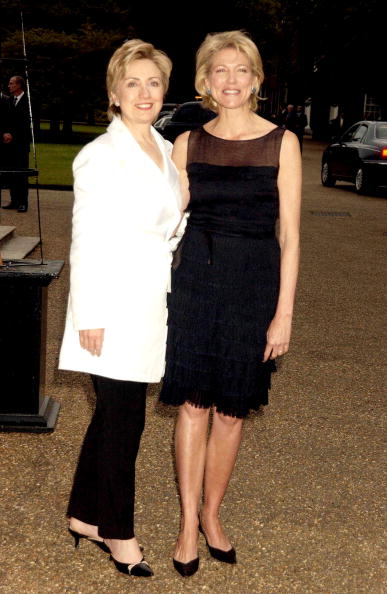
pixel 125 212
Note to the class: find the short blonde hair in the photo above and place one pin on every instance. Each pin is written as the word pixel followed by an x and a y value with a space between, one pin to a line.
pixel 215 42
pixel 134 49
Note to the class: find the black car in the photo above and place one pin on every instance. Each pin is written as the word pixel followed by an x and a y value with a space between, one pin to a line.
pixel 187 116
pixel 167 109
pixel 358 156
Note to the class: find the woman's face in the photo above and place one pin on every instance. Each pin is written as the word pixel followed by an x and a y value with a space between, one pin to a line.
pixel 231 79
pixel 140 93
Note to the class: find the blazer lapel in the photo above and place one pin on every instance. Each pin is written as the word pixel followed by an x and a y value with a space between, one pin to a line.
pixel 142 169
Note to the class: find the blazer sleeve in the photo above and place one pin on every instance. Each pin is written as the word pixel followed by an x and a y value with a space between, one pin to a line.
pixel 89 270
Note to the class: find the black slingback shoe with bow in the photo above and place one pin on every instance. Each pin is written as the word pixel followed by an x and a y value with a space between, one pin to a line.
pixel 218 554
pixel 140 569
pixel 77 537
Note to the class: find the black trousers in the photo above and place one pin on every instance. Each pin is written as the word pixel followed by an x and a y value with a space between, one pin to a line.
pixel 104 483
pixel 18 183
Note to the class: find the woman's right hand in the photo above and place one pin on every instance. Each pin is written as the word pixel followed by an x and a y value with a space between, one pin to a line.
pixel 92 340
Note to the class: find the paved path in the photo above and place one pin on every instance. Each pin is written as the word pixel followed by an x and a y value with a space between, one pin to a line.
pixel 304 506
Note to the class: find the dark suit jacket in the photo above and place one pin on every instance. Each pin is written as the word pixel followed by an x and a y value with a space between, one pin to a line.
pixel 4 115
pixel 290 121
pixel 16 152
pixel 5 126
pixel 20 122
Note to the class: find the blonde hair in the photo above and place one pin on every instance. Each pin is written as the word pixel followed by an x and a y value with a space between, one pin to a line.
pixel 215 42
pixel 132 50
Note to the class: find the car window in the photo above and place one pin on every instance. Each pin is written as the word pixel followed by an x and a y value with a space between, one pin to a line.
pixel 359 133
pixel 381 131
pixel 348 135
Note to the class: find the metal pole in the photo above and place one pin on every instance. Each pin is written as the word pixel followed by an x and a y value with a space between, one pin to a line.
pixel 32 135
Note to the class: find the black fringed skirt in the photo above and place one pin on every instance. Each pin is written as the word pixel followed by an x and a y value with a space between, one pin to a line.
pixel 223 298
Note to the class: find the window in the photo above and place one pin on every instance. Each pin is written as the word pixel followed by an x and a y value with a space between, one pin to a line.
pixel 381 131
pixel 372 109
pixel 349 134
pixel 359 133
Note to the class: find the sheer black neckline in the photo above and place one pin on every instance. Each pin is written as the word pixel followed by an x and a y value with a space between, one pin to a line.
pixel 242 140
pixel 204 147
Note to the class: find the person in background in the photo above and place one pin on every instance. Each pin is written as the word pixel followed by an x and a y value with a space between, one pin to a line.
pixel 231 305
pixel 17 142
pixel 282 114
pixel 336 126
pixel 5 135
pixel 126 210
pixel 300 124
pixel 289 118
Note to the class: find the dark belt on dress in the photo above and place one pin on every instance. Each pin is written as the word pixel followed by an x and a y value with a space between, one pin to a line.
pixel 209 232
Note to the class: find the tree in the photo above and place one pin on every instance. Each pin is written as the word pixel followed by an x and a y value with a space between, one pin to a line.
pixel 310 48
pixel 68 55
pixel 331 53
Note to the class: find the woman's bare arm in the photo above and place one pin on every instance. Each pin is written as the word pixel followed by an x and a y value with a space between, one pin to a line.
pixel 179 157
pixel 289 187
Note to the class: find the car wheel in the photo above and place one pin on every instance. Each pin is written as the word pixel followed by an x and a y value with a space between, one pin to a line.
pixel 362 185
pixel 326 177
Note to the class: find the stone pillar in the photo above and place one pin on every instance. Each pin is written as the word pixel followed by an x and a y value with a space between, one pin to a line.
pixel 23 315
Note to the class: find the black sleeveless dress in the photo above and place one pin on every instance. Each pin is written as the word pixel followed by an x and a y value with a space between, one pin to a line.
pixel 226 279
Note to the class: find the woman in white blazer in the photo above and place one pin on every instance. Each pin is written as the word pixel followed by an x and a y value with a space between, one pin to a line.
pixel 126 211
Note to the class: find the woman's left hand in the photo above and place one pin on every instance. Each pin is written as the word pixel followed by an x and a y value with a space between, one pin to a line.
pixel 278 337
pixel 92 340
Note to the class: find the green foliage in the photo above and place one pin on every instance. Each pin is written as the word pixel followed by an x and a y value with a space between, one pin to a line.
pixel 316 47
pixel 68 47
pixel 69 43
pixel 316 31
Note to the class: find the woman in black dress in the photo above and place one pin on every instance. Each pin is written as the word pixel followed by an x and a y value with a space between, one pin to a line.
pixel 233 287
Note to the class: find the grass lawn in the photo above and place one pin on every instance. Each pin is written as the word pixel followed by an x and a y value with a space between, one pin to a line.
pixel 54 163
pixel 83 128
pixel 55 160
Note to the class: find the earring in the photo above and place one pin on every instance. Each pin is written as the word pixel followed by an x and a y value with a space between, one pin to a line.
pixel 253 90
pixel 208 91
pixel 116 103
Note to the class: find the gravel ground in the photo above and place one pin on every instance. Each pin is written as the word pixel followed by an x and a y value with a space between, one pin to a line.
pixel 304 505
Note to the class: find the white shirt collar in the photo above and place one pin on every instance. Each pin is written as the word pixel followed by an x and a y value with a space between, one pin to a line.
pixel 18 97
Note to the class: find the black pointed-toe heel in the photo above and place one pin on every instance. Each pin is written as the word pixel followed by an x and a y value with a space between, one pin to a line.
pixel 186 569
pixel 77 537
pixel 218 554
pixel 140 569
